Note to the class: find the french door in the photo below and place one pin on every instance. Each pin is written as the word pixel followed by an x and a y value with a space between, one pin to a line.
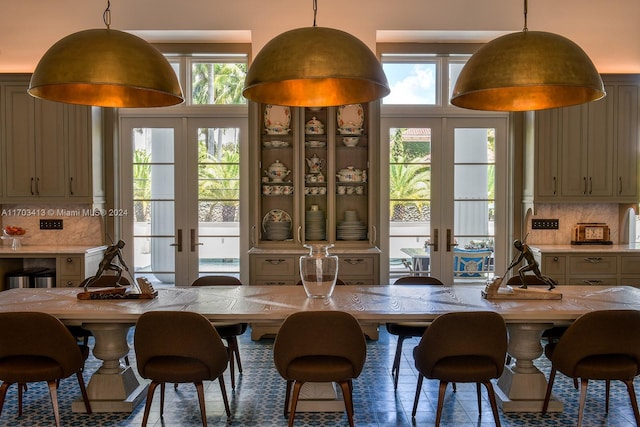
pixel 181 182
pixel 446 189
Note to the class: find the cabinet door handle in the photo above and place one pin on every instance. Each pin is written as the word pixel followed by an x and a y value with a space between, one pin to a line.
pixel 593 260
pixel 37 186
pixel 178 244
pixel 619 185
pixel 299 234
pixel 584 181
pixel 71 186
pixel 193 240
pixel 590 185
pixel 274 261
pixel 555 185
pixel 353 261
pixel 31 187
pixel 253 236
pixel 593 282
pixel 374 233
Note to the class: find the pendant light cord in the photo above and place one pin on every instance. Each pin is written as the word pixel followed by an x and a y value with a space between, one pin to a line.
pixel 526 9
pixel 315 11
pixel 106 15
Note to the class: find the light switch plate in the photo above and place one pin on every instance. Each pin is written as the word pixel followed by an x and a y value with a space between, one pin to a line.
pixel 50 224
pixel 545 224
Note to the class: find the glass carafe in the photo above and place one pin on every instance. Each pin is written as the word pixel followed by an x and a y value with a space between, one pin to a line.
pixel 319 271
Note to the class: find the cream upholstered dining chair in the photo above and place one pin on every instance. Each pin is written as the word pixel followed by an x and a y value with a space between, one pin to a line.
pixel 319 346
pixel 599 345
pixel 462 347
pixel 228 331
pixel 37 347
pixel 406 330
pixel 179 347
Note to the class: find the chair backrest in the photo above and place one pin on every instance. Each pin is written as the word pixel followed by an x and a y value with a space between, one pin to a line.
pixel 471 262
pixel 34 333
pixel 339 282
pixel 182 334
pixel 320 333
pixel 531 280
pixel 217 281
pixel 479 333
pixel 105 281
pixel 418 280
pixel 596 333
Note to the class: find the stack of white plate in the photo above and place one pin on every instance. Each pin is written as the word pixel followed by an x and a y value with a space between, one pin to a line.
pixel 314 225
pixel 277 230
pixel 351 228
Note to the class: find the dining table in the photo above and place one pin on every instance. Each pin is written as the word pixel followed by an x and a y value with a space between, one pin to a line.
pixel 521 388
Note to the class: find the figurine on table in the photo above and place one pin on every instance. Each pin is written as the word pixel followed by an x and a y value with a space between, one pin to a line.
pixel 113 252
pixel 531 265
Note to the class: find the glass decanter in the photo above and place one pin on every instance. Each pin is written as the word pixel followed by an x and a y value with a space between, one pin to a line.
pixel 319 271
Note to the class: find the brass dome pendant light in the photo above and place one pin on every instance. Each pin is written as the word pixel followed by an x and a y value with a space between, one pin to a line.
pixel 106 68
pixel 530 70
pixel 315 67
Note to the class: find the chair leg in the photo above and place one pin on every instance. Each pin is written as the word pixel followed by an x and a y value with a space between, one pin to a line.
pixel 479 395
pixel 203 410
pixel 348 401
pixel 162 387
pixel 492 400
pixel 286 398
pixel 147 405
pixel 53 392
pixel 231 367
pixel 441 389
pixel 583 398
pixel 607 389
pixel 632 397
pixel 83 391
pixel 3 394
pixel 547 395
pixel 223 390
pixel 20 399
pixel 415 400
pixel 233 342
pixel 395 369
pixel 294 401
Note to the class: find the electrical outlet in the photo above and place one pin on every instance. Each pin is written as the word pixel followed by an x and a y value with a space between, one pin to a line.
pixel 544 224
pixel 50 224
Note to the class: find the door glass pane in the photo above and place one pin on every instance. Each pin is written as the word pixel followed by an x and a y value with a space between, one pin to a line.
pixel 474 203
pixel 219 200
pixel 154 202
pixel 409 201
pixel 217 82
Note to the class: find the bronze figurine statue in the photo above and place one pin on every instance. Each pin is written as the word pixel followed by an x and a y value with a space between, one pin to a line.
pixel 531 265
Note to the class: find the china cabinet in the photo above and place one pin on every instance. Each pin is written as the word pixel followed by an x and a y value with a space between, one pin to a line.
pixel 588 152
pixel 312 183
pixel 51 151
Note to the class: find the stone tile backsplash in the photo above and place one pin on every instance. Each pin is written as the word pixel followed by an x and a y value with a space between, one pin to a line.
pixel 80 226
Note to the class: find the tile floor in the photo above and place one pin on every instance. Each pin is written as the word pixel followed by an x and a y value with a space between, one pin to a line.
pixel 259 394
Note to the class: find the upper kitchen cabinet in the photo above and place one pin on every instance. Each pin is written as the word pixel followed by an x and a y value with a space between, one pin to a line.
pixel 589 152
pixel 50 150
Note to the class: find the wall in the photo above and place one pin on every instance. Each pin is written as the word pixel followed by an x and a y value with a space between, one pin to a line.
pixel 606 30
pixel 79 226
pixel 569 215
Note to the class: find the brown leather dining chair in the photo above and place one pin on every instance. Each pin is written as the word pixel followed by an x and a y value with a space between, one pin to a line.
pixel 319 346
pixel 228 331
pixel 462 347
pixel 407 329
pixel 37 347
pixel 599 345
pixel 179 347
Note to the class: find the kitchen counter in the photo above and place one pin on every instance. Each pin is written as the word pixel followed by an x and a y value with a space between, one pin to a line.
pixel 590 264
pixel 72 264
pixel 631 247
pixel 47 250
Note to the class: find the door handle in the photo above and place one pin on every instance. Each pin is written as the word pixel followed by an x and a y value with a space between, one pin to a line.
pixel 193 240
pixel 178 242
pixel 434 243
pixel 450 244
